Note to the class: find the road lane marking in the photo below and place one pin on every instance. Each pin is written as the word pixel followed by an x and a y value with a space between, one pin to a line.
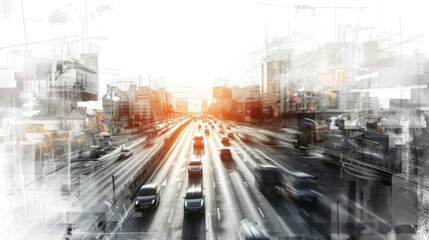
pixel 174 163
pixel 246 184
pixel 170 217
pixel 218 214
pixel 214 185
pixel 305 212
pixel 261 212
pixel 164 183
pixel 237 168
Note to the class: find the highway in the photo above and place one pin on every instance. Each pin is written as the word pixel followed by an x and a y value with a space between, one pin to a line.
pixel 231 195
pixel 229 188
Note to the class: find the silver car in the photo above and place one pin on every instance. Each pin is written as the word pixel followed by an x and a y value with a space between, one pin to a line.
pixel 194 200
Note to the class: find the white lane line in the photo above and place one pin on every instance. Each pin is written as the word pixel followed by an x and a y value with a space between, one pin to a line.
pixel 237 168
pixel 164 183
pixel 261 212
pixel 305 212
pixel 170 217
pixel 214 185
pixel 174 163
pixel 218 214
pixel 246 184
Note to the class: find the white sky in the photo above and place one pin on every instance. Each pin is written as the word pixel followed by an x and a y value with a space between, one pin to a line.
pixel 194 42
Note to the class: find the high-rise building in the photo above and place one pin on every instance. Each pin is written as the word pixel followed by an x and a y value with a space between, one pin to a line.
pixel 204 106
pixel 148 105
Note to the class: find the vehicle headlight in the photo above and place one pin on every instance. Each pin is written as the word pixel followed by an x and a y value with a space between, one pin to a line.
pixel 202 203
pixel 137 202
pixel 153 202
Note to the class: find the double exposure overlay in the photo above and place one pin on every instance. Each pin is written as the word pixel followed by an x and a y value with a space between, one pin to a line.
pixel 270 119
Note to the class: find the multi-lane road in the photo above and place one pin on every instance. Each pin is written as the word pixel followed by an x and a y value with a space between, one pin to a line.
pixel 348 204
pixel 231 195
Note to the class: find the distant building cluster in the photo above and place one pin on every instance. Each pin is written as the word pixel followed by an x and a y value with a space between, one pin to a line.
pixel 349 88
pixel 137 106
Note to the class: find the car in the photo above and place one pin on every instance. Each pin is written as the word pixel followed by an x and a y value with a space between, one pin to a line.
pixel 225 140
pixel 220 126
pixel 195 167
pixel 194 200
pixel 268 179
pixel 125 153
pixel 212 126
pixel 148 197
pixel 198 141
pixel 249 229
pixel 207 131
pixel 221 131
pixel 225 154
pixel 406 231
pixel 228 127
pixel 230 135
pixel 301 186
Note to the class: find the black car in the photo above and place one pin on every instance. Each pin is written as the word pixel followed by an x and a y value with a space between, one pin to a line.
pixel 148 197
pixel 194 200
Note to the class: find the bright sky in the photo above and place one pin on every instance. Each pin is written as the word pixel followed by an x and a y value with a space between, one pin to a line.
pixel 193 42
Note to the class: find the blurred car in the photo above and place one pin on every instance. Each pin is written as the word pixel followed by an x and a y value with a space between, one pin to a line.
pixel 195 167
pixel 194 200
pixel 406 232
pixel 212 126
pixel 207 131
pixel 225 140
pixel 198 141
pixel 301 186
pixel 221 131
pixel 225 154
pixel 228 127
pixel 148 197
pixel 125 153
pixel 268 179
pixel 249 229
pixel 230 135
